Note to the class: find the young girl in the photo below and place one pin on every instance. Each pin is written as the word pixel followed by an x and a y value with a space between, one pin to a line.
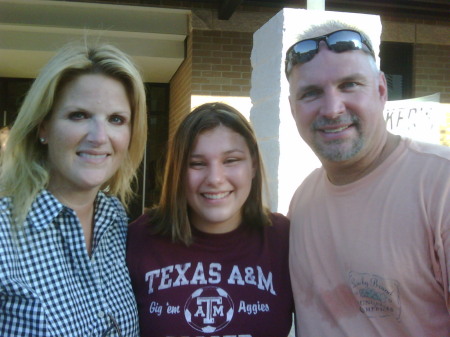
pixel 209 258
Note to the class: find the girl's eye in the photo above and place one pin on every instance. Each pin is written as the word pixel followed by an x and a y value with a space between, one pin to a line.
pixel 196 164
pixel 231 160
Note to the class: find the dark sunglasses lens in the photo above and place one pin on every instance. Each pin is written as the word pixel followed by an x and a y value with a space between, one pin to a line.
pixel 344 40
pixel 304 51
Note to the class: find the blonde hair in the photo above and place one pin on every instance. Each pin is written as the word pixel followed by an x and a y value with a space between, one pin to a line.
pixel 4 133
pixel 328 27
pixel 23 169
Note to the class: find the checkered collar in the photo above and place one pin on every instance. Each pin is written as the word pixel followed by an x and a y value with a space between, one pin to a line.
pixel 44 210
pixel 46 207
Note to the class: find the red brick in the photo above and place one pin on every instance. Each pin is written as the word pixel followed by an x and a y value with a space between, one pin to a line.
pixel 221 53
pixel 231 74
pixel 222 67
pixel 202 66
pixel 222 40
pixel 211 73
pixel 231 61
pixel 211 87
pixel 241 68
pixel 238 81
pixel 212 60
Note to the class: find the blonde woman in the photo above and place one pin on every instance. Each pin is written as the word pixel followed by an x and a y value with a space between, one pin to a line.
pixel 76 144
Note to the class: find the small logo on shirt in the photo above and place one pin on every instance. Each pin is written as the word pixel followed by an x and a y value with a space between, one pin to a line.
pixel 209 309
pixel 377 297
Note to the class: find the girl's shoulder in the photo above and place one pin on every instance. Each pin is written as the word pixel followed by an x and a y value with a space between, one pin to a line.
pixel 280 224
pixel 279 219
pixel 140 224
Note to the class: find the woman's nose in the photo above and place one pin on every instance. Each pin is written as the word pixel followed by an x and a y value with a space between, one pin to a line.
pixel 97 133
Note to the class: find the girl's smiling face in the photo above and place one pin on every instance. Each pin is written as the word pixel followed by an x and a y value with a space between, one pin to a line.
pixel 219 179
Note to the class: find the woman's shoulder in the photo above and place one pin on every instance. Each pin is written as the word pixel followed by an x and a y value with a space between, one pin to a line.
pixel 109 202
pixel 5 203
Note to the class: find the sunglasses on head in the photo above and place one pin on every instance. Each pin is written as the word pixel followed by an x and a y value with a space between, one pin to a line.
pixel 338 41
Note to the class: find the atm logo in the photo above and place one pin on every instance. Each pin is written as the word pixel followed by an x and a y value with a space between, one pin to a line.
pixel 209 309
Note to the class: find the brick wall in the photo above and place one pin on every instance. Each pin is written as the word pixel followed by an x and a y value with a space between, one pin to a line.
pixel 221 63
pixel 432 70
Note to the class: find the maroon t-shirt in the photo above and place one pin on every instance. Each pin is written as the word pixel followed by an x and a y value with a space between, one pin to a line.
pixel 233 284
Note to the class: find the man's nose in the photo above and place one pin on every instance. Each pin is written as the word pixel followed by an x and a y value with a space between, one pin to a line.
pixel 333 104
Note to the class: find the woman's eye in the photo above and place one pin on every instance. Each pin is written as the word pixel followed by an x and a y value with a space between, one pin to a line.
pixel 117 119
pixel 77 115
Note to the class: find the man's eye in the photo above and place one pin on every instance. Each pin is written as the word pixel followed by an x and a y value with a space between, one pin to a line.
pixel 310 94
pixel 349 85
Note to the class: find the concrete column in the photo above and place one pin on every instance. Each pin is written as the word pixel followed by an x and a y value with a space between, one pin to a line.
pixel 288 160
pixel 315 4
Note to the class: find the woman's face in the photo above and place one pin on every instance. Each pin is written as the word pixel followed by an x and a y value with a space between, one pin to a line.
pixel 87 134
pixel 219 179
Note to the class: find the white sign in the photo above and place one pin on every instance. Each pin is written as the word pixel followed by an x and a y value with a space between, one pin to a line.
pixel 418 118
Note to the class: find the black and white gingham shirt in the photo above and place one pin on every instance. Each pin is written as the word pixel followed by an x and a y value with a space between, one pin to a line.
pixel 49 286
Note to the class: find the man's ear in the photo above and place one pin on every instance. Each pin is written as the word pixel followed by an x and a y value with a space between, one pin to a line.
pixel 382 87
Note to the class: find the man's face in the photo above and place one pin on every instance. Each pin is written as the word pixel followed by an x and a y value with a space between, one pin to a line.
pixel 337 100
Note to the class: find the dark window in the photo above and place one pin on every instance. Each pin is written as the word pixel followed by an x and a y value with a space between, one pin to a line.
pixel 396 62
pixel 148 185
pixel 12 93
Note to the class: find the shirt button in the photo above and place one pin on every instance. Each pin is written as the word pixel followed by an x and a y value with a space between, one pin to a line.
pixel 101 314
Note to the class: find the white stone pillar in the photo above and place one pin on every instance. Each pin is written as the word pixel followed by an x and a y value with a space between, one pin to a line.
pixel 315 4
pixel 287 158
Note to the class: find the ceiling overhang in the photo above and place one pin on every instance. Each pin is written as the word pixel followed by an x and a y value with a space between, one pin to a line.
pixel 227 8
pixel 31 32
pixel 419 9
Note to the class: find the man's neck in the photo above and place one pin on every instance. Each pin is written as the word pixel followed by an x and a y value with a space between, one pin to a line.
pixel 342 173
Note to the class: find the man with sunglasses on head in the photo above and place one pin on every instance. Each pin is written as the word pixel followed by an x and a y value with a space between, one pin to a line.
pixel 370 233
